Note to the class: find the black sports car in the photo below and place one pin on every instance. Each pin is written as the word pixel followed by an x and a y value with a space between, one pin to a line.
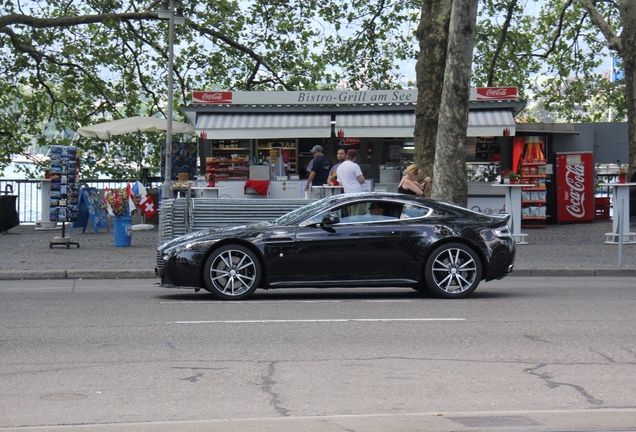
pixel 350 240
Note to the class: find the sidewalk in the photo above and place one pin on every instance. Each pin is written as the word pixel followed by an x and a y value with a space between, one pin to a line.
pixel 558 250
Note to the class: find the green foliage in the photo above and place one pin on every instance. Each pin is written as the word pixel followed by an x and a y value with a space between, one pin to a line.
pixel 61 69
pixel 76 70
pixel 574 49
pixel 504 46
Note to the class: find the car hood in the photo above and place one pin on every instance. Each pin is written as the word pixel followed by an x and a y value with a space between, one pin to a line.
pixel 215 234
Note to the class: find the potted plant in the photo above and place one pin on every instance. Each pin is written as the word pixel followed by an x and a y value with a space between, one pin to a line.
pixel 513 177
pixel 211 179
pixel 121 204
pixel 622 175
pixel 333 180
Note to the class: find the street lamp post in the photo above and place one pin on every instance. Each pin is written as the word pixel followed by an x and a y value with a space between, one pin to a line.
pixel 168 11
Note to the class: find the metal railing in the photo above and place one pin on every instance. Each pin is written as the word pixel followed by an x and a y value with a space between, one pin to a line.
pixel 30 197
pixel 29 192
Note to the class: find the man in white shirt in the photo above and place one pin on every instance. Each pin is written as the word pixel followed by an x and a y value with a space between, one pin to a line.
pixel 351 178
pixel 349 173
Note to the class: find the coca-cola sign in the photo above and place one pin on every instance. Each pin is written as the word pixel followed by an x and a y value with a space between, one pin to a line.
pixel 494 93
pixel 208 98
pixel 575 196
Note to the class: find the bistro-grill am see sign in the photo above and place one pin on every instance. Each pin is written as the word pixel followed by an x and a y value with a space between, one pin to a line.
pixel 334 97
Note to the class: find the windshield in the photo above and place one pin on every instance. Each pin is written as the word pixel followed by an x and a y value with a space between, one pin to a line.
pixel 302 213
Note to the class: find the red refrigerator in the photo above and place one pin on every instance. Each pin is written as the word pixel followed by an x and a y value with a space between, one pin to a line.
pixel 575 187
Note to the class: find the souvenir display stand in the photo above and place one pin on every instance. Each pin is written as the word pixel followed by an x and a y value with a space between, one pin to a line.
pixel 64 193
pixel 90 211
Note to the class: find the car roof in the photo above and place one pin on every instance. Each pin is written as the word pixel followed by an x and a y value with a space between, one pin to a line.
pixel 361 196
pixel 403 198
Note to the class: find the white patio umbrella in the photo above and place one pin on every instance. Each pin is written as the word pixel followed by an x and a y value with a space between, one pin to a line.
pixel 106 130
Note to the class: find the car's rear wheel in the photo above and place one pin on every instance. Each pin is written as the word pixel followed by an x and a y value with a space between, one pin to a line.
pixel 232 272
pixel 452 270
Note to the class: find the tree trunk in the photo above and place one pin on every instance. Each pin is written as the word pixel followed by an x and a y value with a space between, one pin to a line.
pixel 628 17
pixel 449 181
pixel 432 34
pixel 625 45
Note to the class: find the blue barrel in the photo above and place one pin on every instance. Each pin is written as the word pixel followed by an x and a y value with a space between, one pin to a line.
pixel 123 230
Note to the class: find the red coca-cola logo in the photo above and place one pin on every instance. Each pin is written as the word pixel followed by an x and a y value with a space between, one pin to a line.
pixel 575 200
pixel 497 93
pixel 211 98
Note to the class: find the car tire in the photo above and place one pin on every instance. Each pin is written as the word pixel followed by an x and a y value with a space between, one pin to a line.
pixel 452 270
pixel 232 272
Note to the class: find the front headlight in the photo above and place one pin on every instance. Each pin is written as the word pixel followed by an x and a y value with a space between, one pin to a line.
pixel 175 250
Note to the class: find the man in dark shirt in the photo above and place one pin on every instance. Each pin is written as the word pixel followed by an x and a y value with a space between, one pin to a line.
pixel 319 172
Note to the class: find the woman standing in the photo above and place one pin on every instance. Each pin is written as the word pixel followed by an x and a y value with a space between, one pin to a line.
pixel 409 184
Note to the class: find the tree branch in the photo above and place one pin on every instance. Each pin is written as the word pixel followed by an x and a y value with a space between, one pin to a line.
pixel 72 21
pixel 501 41
pixel 614 42
pixel 251 53
pixel 557 33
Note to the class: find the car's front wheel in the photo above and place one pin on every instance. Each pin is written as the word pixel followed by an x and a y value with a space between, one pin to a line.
pixel 232 272
pixel 452 270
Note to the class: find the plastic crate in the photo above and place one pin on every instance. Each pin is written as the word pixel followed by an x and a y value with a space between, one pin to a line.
pixel 602 206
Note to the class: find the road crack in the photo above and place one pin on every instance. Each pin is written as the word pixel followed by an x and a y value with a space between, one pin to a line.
pixel 267 386
pixel 555 384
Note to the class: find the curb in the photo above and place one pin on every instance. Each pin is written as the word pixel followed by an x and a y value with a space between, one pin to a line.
pixel 601 272
pixel 77 274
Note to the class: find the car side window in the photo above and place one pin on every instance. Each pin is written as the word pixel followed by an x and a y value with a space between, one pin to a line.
pixel 361 212
pixel 371 211
pixel 411 211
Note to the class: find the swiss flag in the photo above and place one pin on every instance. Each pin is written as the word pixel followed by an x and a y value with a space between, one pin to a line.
pixel 147 206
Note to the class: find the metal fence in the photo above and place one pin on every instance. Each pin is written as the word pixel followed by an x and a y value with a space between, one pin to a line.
pixel 30 199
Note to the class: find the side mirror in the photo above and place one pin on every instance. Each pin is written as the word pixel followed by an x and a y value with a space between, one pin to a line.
pixel 330 219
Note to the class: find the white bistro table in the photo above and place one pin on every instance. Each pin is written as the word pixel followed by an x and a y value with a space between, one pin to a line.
pixel 332 190
pixel 620 219
pixel 513 206
pixel 208 191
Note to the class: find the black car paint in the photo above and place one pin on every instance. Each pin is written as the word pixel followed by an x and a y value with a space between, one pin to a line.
pixel 315 255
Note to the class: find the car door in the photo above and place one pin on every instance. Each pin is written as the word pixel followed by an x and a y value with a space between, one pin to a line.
pixel 278 253
pixel 355 250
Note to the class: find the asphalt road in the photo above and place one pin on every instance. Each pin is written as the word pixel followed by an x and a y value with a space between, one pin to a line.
pixel 122 355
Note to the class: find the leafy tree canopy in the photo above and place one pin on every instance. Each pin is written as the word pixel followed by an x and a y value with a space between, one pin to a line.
pixel 71 63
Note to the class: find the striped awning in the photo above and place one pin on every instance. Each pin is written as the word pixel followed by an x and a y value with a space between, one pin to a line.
pixel 264 126
pixel 386 125
pixel 490 123
pixel 380 125
pixel 371 125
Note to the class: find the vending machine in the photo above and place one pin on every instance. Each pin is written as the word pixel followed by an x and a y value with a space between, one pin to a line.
pixel 575 187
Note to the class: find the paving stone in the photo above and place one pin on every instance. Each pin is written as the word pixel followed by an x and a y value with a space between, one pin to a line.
pixel 557 250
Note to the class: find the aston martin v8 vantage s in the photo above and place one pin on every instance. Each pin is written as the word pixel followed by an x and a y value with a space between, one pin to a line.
pixel 349 240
